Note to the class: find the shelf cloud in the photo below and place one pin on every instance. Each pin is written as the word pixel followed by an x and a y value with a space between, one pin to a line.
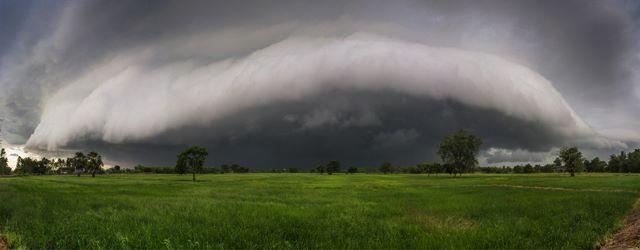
pixel 302 82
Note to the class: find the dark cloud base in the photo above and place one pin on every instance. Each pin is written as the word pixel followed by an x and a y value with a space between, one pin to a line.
pixel 584 48
pixel 400 128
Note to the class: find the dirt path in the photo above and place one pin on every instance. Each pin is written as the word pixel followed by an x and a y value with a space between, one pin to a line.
pixel 3 243
pixel 627 236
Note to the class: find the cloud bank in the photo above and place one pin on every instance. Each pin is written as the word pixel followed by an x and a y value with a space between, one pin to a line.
pixel 335 80
pixel 124 101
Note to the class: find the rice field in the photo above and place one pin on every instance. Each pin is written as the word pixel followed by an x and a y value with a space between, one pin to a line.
pixel 284 211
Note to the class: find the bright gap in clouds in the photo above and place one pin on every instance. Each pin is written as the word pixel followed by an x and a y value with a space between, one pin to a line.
pixel 15 151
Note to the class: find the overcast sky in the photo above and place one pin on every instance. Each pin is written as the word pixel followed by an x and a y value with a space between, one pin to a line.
pixel 294 83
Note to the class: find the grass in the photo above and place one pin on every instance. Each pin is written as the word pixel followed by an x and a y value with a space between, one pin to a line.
pixel 314 211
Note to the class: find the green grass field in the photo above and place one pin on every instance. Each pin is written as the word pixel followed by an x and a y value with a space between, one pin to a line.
pixel 314 211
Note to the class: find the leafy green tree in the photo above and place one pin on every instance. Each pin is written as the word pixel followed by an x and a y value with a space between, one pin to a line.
pixel 28 166
pixel 19 166
pixel 428 168
pixel 459 151
pixel 225 168
pixel 79 163
pixel 557 163
pixel 192 159
pixel 235 168
pixel 633 161
pixel 528 169
pixel 67 166
pixel 320 169
pixel 181 168
pixel 411 170
pixel 386 167
pixel 4 163
pixel 434 168
pixel 595 165
pixel 241 169
pixel 142 169
pixel 352 170
pixel 625 163
pixel 41 167
pixel 94 163
pixel 57 165
pixel 518 169
pixel 115 169
pixel 333 167
pixel 422 168
pixel 572 159
pixel 616 162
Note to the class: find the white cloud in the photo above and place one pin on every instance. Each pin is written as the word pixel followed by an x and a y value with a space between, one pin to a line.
pixel 130 98
pixel 517 156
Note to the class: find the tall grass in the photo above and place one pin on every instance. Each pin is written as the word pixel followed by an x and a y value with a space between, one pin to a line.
pixel 314 211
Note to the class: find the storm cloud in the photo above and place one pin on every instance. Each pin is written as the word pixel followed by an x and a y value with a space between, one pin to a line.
pixel 295 82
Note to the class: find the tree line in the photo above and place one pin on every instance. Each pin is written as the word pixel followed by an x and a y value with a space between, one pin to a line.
pixel 617 163
pixel 458 153
pixel 80 163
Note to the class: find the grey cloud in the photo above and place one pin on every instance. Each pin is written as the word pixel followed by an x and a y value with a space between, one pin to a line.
pixel 104 104
pixel 123 76
pixel 343 117
pixel 395 138
pixel 508 156
pixel 259 137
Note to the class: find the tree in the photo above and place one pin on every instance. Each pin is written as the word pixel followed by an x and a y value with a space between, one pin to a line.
pixel 333 167
pixel 527 169
pixel 616 162
pixel 57 165
pixel 352 170
pixel 411 170
pixel 181 168
pixel 18 166
pixel 429 168
pixel 41 167
pixel 459 151
pixel 595 165
pixel 241 169
pixel 572 159
pixel 27 166
pixel 386 167
pixel 94 163
pixel 235 168
pixel 4 163
pixel 79 163
pixel 633 161
pixel 225 168
pixel 320 169
pixel 192 159
pixel 115 169
pixel 557 163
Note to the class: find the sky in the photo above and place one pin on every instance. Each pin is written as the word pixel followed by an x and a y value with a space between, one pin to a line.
pixel 272 84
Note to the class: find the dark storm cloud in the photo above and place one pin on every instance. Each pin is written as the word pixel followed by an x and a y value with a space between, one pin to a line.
pixel 407 131
pixel 12 14
pixel 77 70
